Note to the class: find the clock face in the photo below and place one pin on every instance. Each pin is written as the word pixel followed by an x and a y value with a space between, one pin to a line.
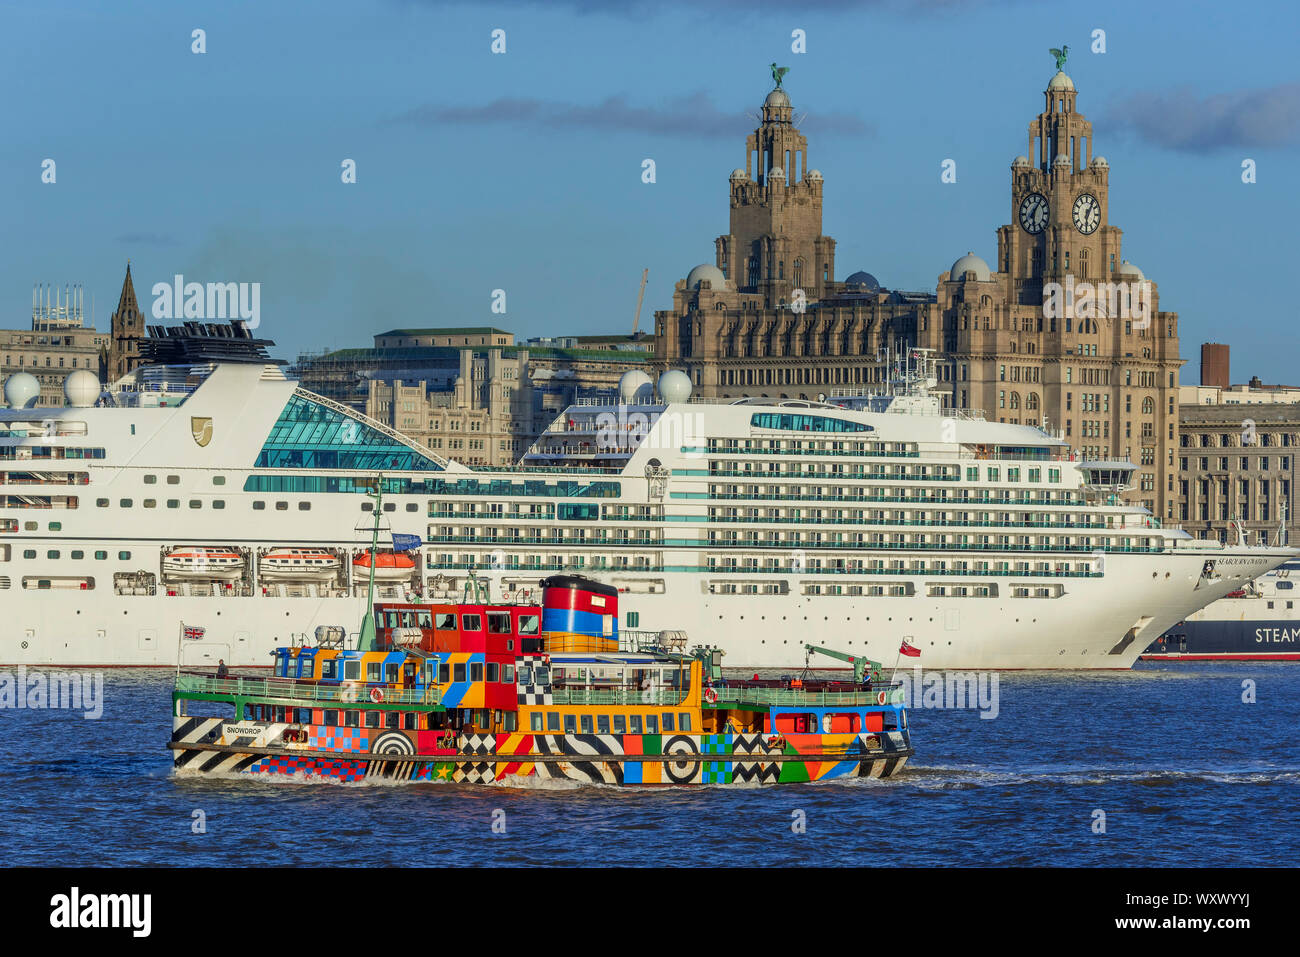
pixel 1033 213
pixel 1087 213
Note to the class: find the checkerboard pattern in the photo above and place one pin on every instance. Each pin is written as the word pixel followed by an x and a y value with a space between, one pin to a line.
pixel 327 738
pixel 340 769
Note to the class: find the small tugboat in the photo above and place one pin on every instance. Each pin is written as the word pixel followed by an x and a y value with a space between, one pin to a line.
pixel 480 692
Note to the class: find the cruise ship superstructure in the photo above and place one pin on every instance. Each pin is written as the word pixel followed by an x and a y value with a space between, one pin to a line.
pixel 232 500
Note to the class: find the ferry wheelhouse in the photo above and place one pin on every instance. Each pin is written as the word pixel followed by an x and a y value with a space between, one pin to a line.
pixel 479 692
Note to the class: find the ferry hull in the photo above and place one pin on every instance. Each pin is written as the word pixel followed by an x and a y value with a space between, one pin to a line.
pixel 674 760
pixel 1228 640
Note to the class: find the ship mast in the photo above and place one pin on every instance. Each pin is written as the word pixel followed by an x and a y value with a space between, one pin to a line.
pixel 366 640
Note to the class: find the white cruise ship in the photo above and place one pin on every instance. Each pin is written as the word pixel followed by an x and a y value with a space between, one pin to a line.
pixel 755 525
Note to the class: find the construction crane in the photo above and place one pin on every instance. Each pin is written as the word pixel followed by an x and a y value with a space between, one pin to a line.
pixel 861 664
pixel 636 323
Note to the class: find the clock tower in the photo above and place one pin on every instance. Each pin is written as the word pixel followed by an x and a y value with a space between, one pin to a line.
pixel 1060 222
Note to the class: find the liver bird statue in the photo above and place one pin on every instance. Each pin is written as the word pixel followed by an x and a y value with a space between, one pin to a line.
pixel 777 73
pixel 1060 55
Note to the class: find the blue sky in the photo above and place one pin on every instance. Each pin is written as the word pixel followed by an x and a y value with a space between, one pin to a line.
pixel 522 171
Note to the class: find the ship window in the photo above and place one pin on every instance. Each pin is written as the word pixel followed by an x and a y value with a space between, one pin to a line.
pixel 330 718
pixel 218 503
pixel 151 480
pixel 101 555
pixel 508 675
pixel 372 719
pixel 218 480
pixel 412 507
pixel 602 724
pixel 352 670
pixel 634 723
pixel 571 724
pixel 535 721
pixel 150 503
pixel 444 674
pixel 446 621
pixel 78 554
pixel 56 526
pixel 669 723
pixel 259 506
pixel 652 724
pixel 498 622
pixel 195 503
pixel 633 619
pixel 620 724
pixel 476 671
pixel 391 719
pixel 173 503
pixel 125 503
pixel 282 506
pixel 494 672
pixel 1285 586
pixel 390 507
pixel 327 670
pixel 684 722
pixel 458 671
pixel 29 553
pixel 372 671
pixel 101 502
pixel 586 723
pixel 552 721
pixel 124 556
pixel 29 526
pixel 173 480
pixel 304 506
pixel 471 623
pixel 352 719
pixel 528 624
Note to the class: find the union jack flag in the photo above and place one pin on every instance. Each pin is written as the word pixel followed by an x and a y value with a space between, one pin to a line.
pixel 193 632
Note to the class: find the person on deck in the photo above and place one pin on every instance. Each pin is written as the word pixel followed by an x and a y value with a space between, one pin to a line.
pixel 222 670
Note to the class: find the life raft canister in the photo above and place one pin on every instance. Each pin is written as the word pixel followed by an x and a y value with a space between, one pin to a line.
pixel 376 695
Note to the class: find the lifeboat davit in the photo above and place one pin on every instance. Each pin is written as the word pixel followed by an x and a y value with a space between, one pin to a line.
pixel 298 564
pixel 199 563
pixel 389 566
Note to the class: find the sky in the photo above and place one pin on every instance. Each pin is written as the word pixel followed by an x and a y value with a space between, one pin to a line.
pixel 522 171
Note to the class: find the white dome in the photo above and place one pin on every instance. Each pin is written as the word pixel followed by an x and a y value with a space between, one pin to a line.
pixel 1020 162
pixel 815 174
pixel 81 388
pixel 635 388
pixel 739 175
pixel 1061 160
pixel 1060 82
pixel 674 386
pixel 21 390
pixel 777 173
pixel 970 263
pixel 1126 268
pixel 1099 161
pixel 705 271
pixel 777 97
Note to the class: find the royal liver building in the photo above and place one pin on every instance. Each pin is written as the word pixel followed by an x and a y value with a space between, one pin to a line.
pixel 1061 331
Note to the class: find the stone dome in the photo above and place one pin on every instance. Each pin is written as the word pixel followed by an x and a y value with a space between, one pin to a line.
pixel 815 174
pixel 705 271
pixel 970 263
pixel 739 175
pixel 1100 161
pixel 777 173
pixel 1020 162
pixel 1060 82
pixel 1061 160
pixel 1126 268
pixel 864 280
pixel 777 97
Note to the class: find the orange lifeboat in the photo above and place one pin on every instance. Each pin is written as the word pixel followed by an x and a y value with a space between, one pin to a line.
pixel 389 566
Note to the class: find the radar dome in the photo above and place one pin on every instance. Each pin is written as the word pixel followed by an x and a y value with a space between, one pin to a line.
pixel 705 271
pixel 635 388
pixel 674 386
pixel 21 390
pixel 81 388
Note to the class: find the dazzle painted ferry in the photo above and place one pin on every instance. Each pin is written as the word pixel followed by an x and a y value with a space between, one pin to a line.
pixel 228 498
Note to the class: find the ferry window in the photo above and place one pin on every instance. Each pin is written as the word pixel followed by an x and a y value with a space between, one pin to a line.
pixel 620 724
pixel 218 480
pixel 408 721
pixel 124 556
pixel 372 719
pixel 444 674
pixel 471 622
pixel 304 716
pixel 150 503
pixel 367 507
pixel 1284 586
pixel 77 553
pixel 151 480
pixel 101 555
pixel 390 507
pixel 528 624
pixel 651 724
pixel 352 719
pixel 195 503
pixel 352 669
pixel 535 721
pixel 412 507
pixel 571 724
pixel 634 723
pixel 125 503
pixel 552 721
pixel 330 718
pixel 684 722
pixel 509 676
pixel 512 721
pixel 29 526
pixel 282 506
pixel 56 526
pixel 669 723
pixel 445 622
pixel 173 503
pixel 101 502
pixel 29 553
pixel 498 622
pixel 259 506
pixel 458 671
pixel 327 668
pixel 493 672
pixel 372 671
pixel 173 480
pixel 391 719
pixel 304 506
pixel 476 671
pixel 633 619
pixel 390 673
pixel 602 724
pixel 586 723
pixel 218 503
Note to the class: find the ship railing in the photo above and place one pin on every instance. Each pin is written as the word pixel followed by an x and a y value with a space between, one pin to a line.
pixel 619 696
pixel 767 697
pixel 287 689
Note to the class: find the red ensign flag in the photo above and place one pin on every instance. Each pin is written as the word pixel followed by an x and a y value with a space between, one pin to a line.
pixel 909 650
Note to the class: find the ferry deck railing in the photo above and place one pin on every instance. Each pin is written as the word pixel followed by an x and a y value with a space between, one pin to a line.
pixel 288 689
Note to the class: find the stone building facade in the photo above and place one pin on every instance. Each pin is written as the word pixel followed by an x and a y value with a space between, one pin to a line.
pixel 57 343
pixel 1064 333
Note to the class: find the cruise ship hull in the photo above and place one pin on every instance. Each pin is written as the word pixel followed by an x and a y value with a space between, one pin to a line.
pixel 1097 623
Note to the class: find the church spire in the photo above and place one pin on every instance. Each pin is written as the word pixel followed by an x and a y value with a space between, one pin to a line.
pixel 127 330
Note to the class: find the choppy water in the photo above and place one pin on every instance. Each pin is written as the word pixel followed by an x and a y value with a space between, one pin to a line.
pixel 1185 772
